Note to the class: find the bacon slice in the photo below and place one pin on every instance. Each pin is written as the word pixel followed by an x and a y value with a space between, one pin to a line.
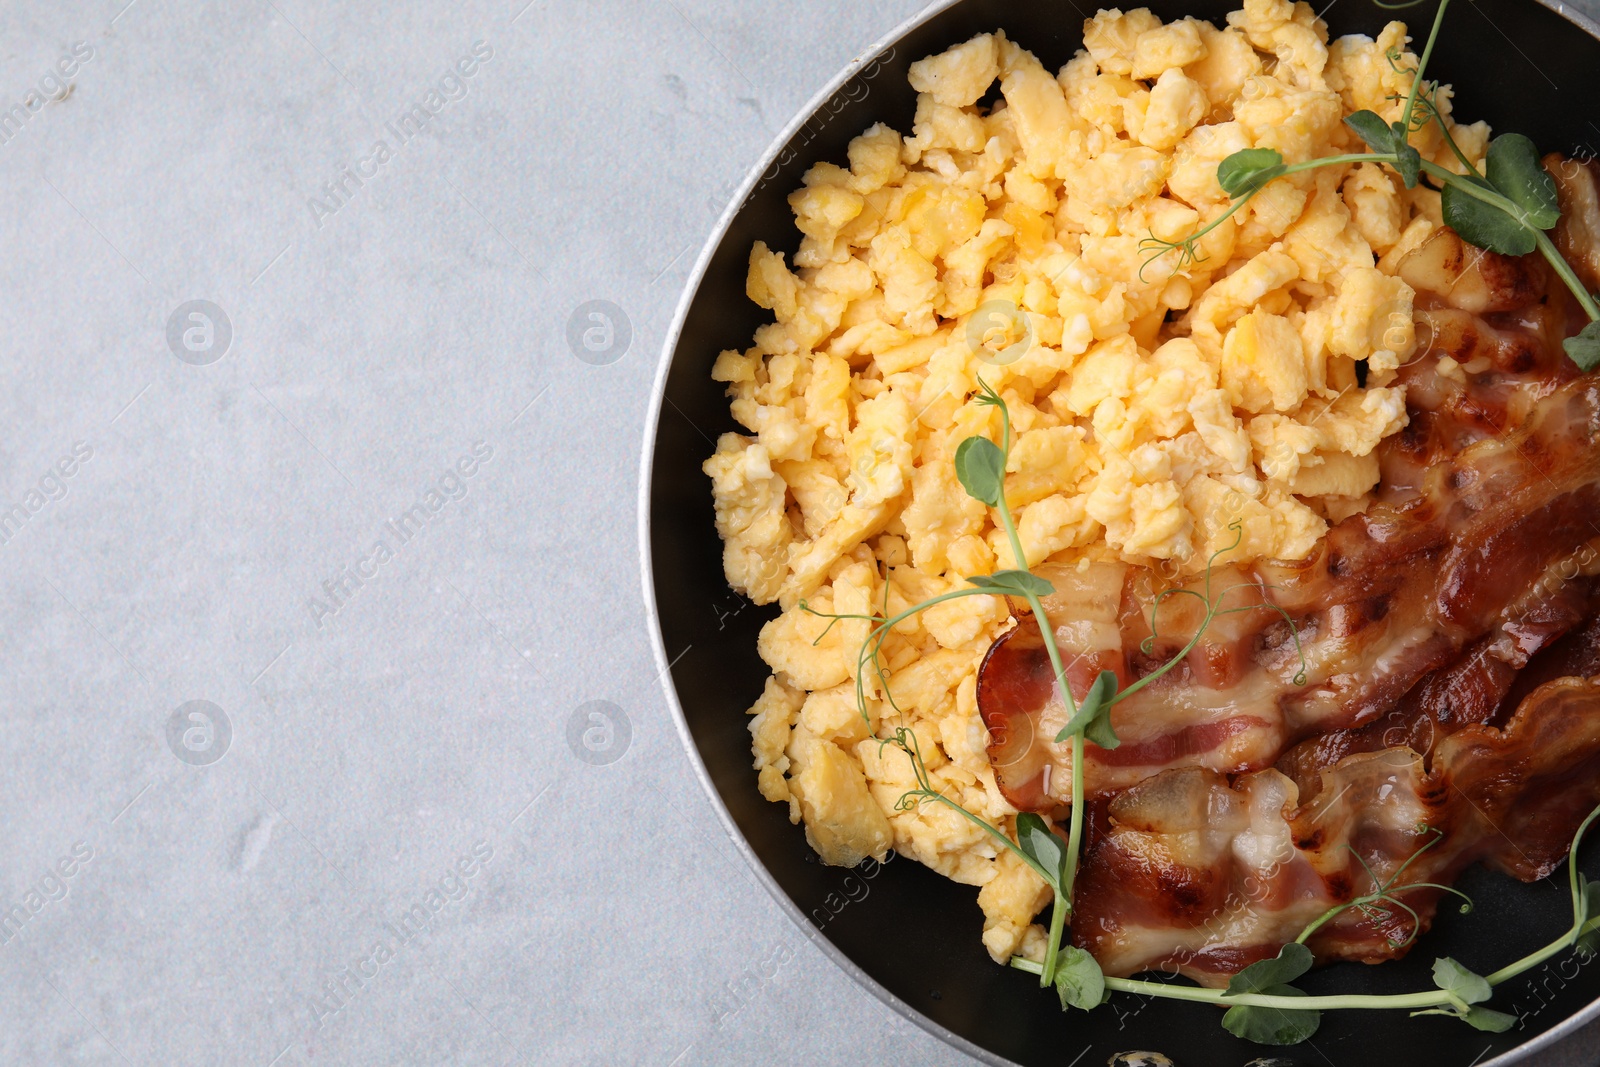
pixel 1471 561
pixel 1451 670
pixel 1198 876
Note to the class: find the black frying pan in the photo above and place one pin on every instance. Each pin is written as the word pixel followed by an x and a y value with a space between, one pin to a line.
pixel 906 933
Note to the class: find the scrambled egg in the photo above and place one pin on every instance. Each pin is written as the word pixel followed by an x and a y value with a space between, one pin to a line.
pixel 1154 401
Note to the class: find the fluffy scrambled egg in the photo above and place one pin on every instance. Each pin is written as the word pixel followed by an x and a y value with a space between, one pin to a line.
pixel 1153 402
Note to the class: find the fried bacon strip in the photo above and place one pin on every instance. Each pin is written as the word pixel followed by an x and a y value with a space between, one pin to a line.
pixel 1450 679
pixel 1196 876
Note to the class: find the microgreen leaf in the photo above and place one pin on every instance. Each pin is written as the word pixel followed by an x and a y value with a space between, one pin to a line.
pixel 1512 166
pixel 1272 1026
pixel 1480 1018
pixel 1455 979
pixel 1099 732
pixel 1041 845
pixel 1292 960
pixel 1584 349
pixel 1373 130
pixel 1013 583
pixel 1079 980
pixel 1476 1016
pixel 1388 139
pixel 1408 161
pixel 981 467
pixel 1468 990
pixel 1248 170
pixel 1481 224
pixel 1513 170
pixel 1093 719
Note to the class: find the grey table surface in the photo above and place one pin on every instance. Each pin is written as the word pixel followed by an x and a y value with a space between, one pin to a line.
pixel 275 795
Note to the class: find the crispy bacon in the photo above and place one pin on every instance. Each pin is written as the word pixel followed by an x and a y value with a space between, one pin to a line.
pixel 1472 564
pixel 1450 680
pixel 1202 877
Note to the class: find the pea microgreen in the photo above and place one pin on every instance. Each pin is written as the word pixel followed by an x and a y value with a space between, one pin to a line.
pixel 1093 719
pixel 1248 170
pixel 1039 842
pixel 1584 349
pixel 1049 854
pixel 981 469
pixel 1481 223
pixel 1271 977
pixel 1079 980
pixel 1272 1025
pixel 1466 991
pixel 1013 582
pixel 1384 899
pixel 1292 960
pixel 1512 166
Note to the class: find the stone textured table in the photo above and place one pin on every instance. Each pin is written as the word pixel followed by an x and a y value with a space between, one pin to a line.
pixel 332 732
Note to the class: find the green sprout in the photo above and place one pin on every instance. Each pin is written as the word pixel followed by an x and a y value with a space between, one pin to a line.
pixel 1384 899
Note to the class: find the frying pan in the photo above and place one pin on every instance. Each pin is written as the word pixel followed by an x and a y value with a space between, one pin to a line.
pixel 907 934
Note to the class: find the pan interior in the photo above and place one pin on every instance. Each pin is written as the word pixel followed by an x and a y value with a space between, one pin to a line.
pixel 1519 66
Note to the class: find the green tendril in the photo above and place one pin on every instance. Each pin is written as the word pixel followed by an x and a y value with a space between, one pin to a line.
pixel 1213 608
pixel 905 739
pixel 1377 904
